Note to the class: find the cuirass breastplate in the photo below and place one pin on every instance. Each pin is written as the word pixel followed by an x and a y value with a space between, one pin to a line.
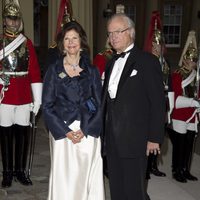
pixel 17 60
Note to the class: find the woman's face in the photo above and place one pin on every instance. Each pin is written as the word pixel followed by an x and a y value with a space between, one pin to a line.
pixel 72 42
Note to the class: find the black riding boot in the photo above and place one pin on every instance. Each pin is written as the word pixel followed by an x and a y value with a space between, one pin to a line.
pixel 148 168
pixel 21 154
pixel 178 149
pixel 6 137
pixel 188 155
pixel 173 138
pixel 153 165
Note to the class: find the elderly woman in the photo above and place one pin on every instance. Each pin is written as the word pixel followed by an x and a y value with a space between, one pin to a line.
pixel 71 109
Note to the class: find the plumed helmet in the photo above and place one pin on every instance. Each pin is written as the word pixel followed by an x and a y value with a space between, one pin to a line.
pixel 154 32
pixel 191 53
pixel 12 9
pixel 66 17
pixel 65 14
pixel 190 49
pixel 157 35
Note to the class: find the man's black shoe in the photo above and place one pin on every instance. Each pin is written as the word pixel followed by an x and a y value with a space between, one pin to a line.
pixel 189 176
pixel 156 172
pixel 179 176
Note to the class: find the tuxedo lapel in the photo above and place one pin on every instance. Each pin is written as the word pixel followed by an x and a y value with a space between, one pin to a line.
pixel 129 66
pixel 108 71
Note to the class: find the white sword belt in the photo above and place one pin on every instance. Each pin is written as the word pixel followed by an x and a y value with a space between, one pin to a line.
pixel 14 74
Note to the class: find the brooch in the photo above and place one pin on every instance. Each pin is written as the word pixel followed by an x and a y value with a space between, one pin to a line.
pixel 62 75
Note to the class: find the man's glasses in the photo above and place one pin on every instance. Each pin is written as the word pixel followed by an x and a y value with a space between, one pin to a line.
pixel 116 33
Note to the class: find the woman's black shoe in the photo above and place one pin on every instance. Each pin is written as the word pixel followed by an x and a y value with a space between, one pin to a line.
pixel 179 176
pixel 7 179
pixel 22 178
pixel 189 176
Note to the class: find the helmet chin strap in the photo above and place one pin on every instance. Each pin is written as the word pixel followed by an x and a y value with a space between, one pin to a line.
pixel 11 33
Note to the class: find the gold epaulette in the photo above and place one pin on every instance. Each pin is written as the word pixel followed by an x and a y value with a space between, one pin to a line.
pixel 53 45
pixel 105 52
pixel 183 72
pixel 179 71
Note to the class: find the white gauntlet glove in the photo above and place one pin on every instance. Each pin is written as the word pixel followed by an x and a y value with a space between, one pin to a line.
pixel 195 103
pixel 171 101
pixel 184 102
pixel 37 97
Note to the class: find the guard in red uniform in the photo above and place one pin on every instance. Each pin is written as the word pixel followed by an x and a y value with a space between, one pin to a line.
pixel 185 84
pixel 102 58
pixel 20 93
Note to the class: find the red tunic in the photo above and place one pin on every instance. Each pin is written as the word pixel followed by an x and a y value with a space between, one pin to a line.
pixel 182 114
pixel 19 91
pixel 101 59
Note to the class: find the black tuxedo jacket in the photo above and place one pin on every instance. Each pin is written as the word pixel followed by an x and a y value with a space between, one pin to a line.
pixel 138 111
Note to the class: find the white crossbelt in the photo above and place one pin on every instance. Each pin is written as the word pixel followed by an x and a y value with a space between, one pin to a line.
pixel 189 79
pixel 14 73
pixel 12 46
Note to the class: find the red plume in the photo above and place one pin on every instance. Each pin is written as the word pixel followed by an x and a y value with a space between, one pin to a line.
pixel 64 4
pixel 155 19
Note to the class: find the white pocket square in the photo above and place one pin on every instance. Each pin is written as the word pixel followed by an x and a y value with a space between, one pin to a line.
pixel 133 73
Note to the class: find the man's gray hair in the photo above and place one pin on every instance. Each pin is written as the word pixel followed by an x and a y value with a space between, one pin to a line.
pixel 127 19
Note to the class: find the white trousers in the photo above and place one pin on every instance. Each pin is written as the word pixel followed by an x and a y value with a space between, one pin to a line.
pixel 76 170
pixel 14 114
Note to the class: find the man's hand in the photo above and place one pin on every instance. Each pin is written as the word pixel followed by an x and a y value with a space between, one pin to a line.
pixel 153 148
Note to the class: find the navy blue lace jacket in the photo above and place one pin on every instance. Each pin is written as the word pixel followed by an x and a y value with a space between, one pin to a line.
pixel 66 99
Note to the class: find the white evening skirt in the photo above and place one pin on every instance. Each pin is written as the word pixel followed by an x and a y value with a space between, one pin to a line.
pixel 76 170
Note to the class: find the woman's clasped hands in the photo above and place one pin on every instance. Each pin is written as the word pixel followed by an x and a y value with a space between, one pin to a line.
pixel 75 137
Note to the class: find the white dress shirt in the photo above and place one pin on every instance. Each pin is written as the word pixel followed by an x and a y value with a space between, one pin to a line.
pixel 116 73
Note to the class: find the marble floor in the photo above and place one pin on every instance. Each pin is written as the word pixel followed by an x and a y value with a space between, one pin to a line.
pixel 164 188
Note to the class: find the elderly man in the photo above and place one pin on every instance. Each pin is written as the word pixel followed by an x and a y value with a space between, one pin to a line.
pixel 134 111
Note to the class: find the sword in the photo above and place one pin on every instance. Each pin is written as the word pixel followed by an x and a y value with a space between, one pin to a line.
pixel 32 142
pixel 196 95
pixel 3 28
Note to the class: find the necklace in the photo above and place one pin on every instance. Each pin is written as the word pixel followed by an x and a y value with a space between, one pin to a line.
pixel 74 66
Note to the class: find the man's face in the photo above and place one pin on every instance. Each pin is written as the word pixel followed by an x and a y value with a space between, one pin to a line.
pixel 12 24
pixel 189 64
pixel 119 34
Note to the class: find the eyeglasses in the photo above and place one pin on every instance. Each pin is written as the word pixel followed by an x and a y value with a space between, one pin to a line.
pixel 116 33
